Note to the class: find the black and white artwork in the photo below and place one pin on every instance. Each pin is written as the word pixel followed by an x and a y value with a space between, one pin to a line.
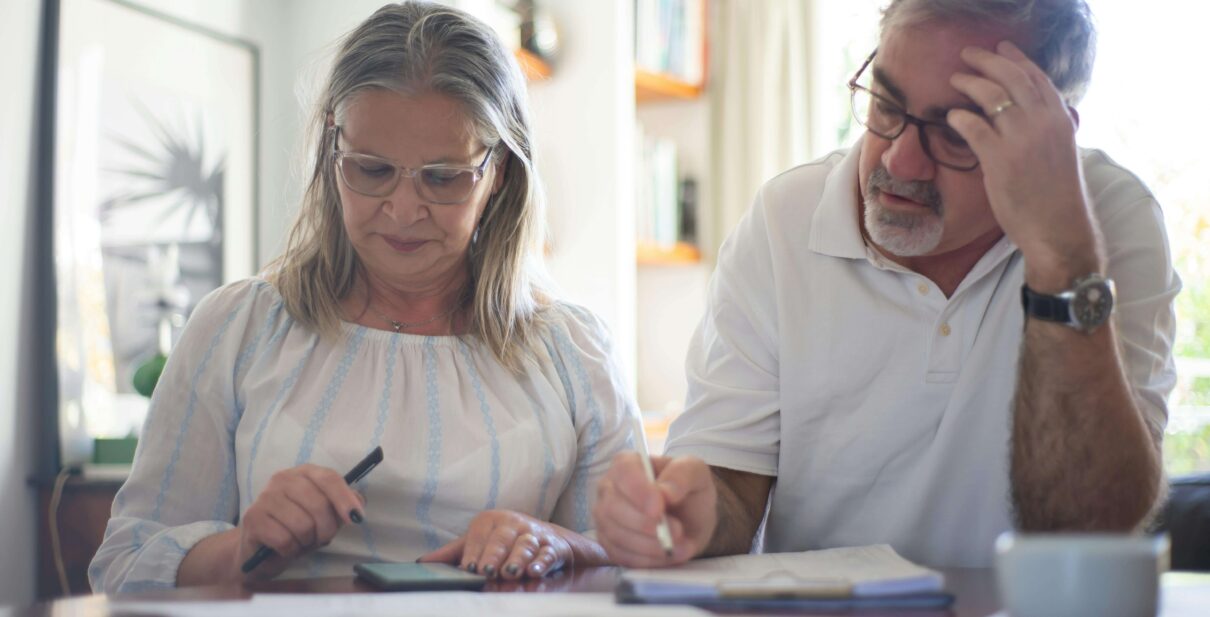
pixel 154 194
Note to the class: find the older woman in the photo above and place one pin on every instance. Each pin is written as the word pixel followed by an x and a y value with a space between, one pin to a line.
pixel 405 312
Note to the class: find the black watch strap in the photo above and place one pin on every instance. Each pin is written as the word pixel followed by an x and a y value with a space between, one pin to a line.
pixel 1044 307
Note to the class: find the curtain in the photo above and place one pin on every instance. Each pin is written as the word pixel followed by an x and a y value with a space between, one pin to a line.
pixel 759 99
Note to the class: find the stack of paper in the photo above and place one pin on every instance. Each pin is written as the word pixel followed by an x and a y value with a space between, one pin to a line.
pixel 858 576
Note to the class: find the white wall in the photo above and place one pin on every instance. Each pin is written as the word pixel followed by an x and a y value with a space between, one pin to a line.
pixel 584 120
pixel 19 27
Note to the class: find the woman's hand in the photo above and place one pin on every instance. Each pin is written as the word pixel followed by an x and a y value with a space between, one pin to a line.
pixel 508 545
pixel 300 510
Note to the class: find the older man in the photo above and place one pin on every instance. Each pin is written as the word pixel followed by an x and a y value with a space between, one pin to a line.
pixel 919 341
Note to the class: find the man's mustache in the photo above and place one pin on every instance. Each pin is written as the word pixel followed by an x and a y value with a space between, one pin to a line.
pixel 919 190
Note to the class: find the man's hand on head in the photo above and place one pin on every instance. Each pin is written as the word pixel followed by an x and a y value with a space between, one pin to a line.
pixel 1025 142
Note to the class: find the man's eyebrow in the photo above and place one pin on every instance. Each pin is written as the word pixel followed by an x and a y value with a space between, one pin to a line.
pixel 896 92
pixel 934 113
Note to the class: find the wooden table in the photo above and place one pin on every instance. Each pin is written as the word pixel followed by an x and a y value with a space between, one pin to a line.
pixel 974 591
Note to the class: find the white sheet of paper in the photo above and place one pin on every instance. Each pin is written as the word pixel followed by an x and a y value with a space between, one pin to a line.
pixel 417 604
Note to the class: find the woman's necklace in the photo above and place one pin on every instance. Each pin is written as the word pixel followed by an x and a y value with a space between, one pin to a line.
pixel 400 326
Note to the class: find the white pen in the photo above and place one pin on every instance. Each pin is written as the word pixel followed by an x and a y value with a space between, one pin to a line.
pixel 661 530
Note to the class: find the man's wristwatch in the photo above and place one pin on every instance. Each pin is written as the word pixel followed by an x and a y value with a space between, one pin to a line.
pixel 1088 304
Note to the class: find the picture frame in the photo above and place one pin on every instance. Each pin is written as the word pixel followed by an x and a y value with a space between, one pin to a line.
pixel 149 162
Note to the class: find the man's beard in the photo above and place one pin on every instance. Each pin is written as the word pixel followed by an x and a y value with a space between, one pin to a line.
pixel 902 233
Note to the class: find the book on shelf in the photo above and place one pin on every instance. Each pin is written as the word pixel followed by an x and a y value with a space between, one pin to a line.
pixel 670 38
pixel 665 203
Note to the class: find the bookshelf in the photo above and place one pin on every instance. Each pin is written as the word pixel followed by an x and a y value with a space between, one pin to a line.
pixel 650 86
pixel 681 253
pixel 670 73
pixel 534 68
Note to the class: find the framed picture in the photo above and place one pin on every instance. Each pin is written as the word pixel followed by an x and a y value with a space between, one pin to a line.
pixel 153 190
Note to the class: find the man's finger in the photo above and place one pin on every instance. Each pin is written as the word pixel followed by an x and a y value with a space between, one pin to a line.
pixel 1005 72
pixel 629 478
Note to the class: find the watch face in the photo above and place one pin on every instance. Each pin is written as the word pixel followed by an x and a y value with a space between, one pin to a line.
pixel 1093 302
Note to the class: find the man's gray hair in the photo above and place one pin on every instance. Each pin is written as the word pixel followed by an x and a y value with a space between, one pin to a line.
pixel 1059 34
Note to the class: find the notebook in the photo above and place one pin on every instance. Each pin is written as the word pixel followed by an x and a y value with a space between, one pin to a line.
pixel 874 576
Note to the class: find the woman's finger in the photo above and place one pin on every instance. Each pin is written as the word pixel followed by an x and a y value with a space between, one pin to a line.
pixel 498 546
pixel 342 497
pixel 450 553
pixel 544 562
pixel 476 538
pixel 269 531
pixel 294 518
pixel 524 550
pixel 309 497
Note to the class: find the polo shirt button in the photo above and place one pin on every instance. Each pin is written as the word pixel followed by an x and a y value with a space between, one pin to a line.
pixel 945 329
pixel 923 288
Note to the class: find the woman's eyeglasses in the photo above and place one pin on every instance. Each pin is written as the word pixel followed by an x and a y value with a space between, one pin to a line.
pixel 375 176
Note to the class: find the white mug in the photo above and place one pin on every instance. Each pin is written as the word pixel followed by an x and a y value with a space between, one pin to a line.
pixel 1078 575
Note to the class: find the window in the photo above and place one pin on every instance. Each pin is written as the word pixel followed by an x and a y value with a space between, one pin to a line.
pixel 844 35
pixel 1143 109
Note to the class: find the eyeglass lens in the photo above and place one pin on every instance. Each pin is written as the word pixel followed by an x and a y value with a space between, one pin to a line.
pixel 376 178
pixel 888 120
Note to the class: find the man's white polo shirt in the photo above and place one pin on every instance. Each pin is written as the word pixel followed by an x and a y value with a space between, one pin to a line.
pixel 882 407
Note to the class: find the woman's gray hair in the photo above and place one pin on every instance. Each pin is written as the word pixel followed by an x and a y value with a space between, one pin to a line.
pixel 410 48
pixel 1060 35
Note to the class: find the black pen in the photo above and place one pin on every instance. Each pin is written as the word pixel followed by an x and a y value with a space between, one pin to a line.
pixel 358 472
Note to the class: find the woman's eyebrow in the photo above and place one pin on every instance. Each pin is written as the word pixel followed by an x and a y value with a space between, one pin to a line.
pixel 462 160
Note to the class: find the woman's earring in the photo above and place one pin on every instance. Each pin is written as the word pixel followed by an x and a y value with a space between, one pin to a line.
pixel 475 236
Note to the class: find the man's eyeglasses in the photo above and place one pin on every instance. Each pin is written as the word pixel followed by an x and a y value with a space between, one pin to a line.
pixel 375 176
pixel 887 119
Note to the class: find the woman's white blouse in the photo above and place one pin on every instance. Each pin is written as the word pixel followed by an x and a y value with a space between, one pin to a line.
pixel 248 392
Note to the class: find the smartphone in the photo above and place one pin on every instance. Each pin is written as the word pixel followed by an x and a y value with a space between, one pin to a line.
pixel 419 577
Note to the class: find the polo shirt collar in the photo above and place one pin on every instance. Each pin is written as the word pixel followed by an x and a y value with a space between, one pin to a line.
pixel 835 230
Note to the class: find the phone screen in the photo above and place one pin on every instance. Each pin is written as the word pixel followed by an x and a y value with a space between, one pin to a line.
pixel 419 577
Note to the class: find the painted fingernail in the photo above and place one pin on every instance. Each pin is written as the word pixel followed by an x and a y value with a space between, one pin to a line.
pixel 356 517
pixel 536 569
pixel 470 567
pixel 489 570
pixel 511 569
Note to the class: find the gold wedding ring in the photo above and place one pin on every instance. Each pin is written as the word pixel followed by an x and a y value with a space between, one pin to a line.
pixel 999 109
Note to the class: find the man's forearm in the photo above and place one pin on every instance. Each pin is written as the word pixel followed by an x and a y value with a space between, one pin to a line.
pixel 741 506
pixel 1082 456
